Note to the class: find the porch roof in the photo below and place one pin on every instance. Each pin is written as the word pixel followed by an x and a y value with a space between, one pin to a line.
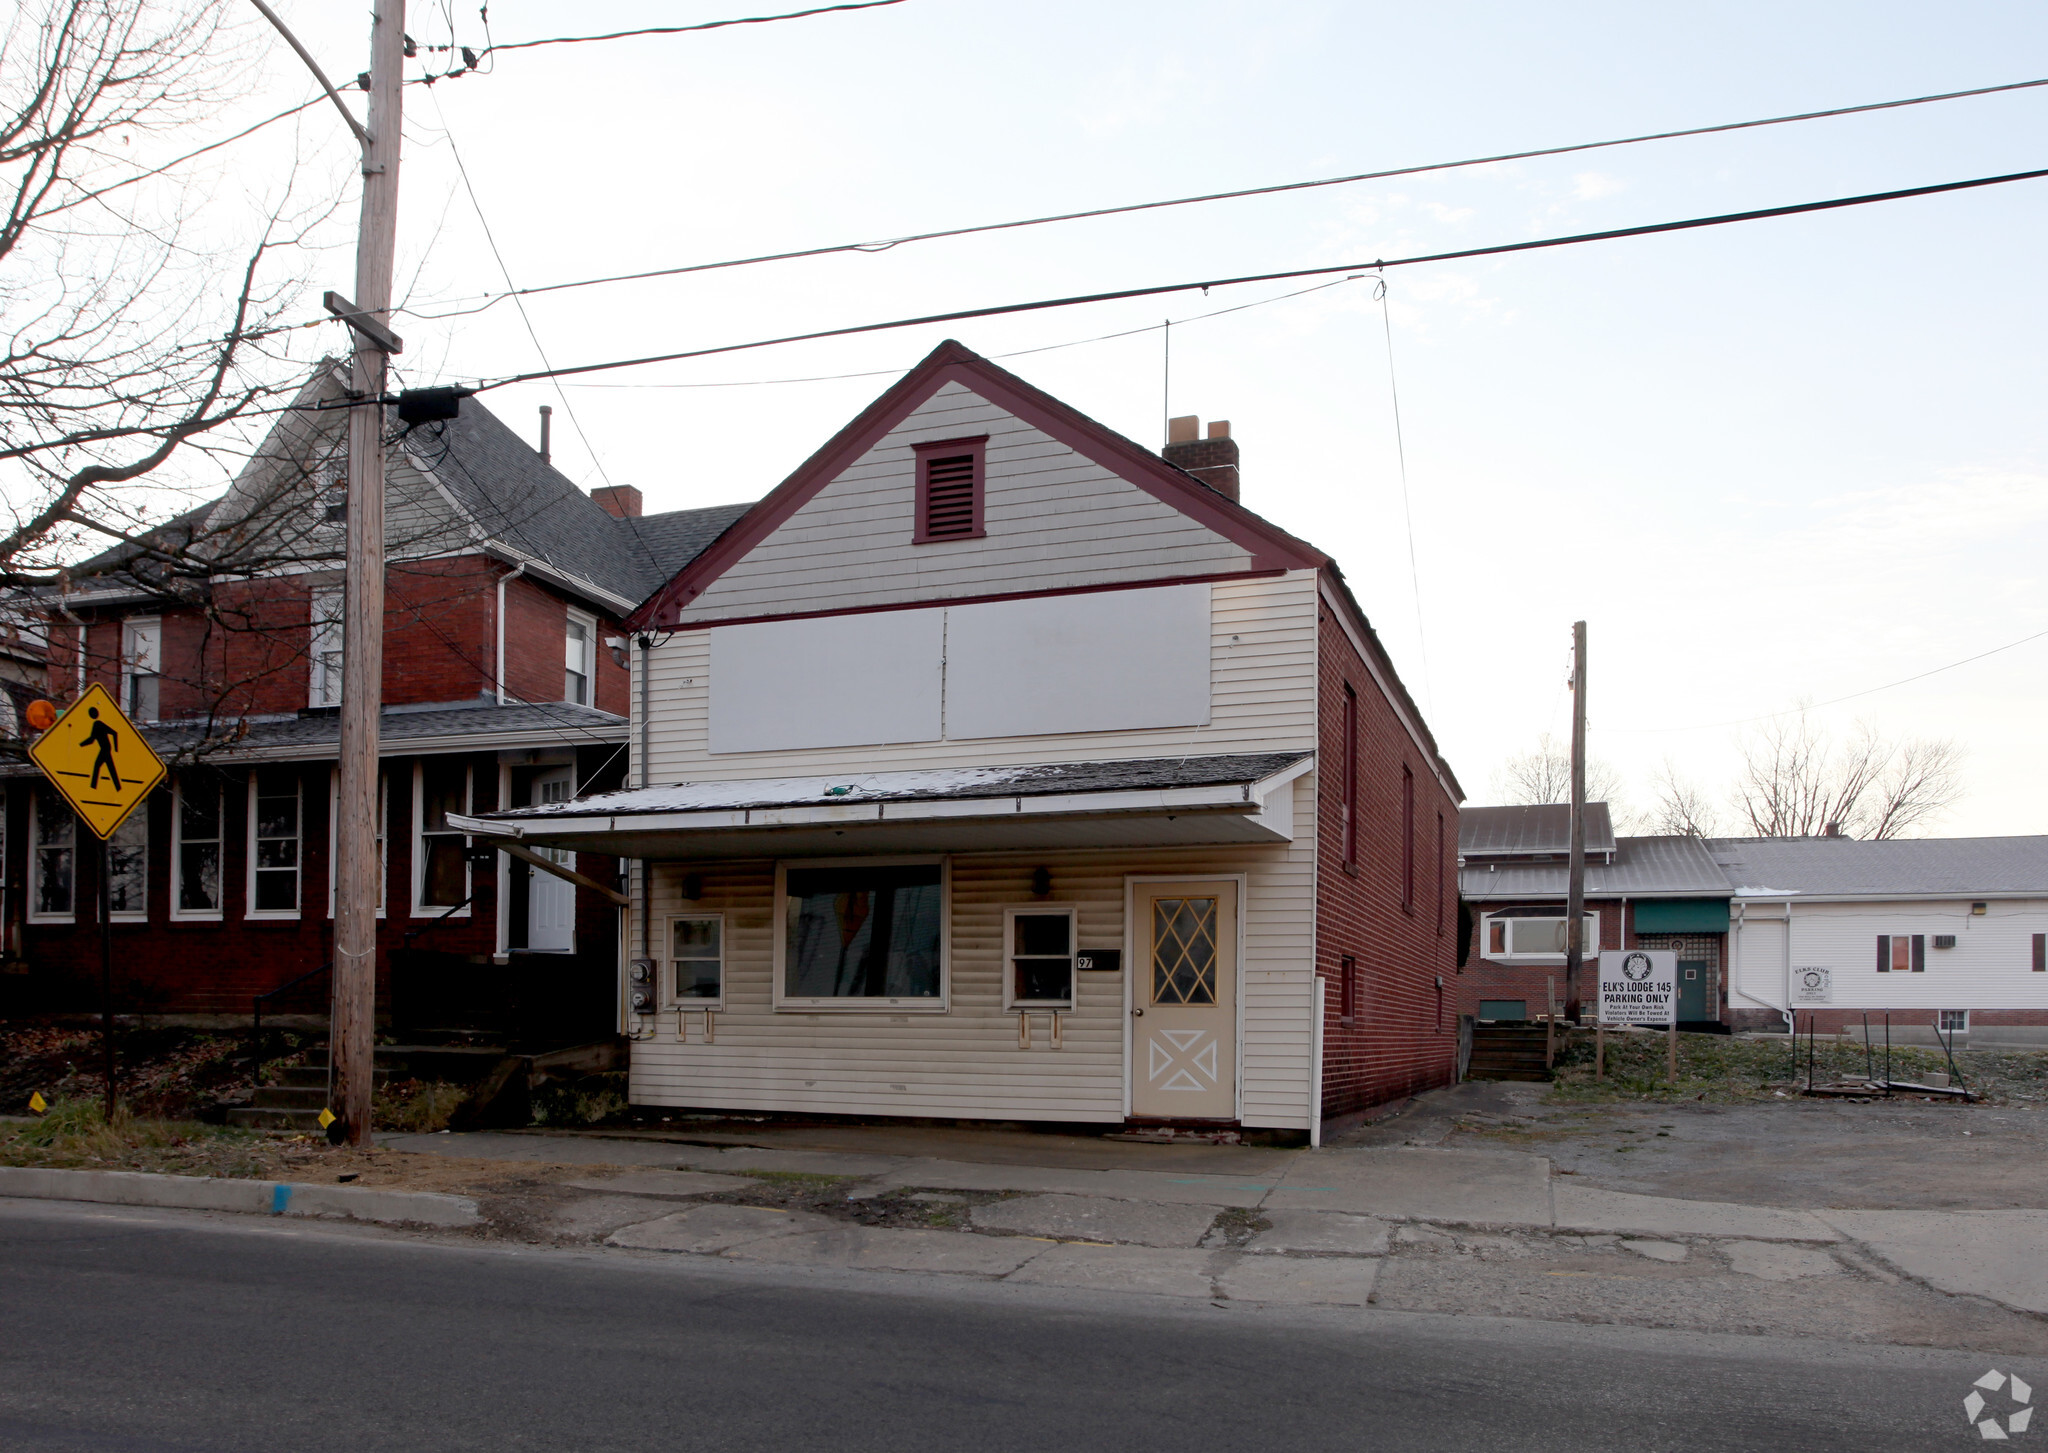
pixel 1153 801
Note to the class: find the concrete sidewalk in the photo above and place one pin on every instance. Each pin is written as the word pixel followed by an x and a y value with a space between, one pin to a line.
pixel 1461 1227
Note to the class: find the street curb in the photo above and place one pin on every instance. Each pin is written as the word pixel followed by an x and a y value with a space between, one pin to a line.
pixel 271 1198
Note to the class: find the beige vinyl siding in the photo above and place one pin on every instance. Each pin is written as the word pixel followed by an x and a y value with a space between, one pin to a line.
pixel 1991 966
pixel 1262 684
pixel 1054 519
pixel 965 1062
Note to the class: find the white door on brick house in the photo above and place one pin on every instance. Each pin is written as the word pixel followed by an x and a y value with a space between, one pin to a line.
pixel 551 902
pixel 1184 999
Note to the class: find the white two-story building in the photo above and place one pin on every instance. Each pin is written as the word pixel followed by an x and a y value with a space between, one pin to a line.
pixel 994 767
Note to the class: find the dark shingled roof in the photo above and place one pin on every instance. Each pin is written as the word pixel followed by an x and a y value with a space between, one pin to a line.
pixel 1510 832
pixel 499 479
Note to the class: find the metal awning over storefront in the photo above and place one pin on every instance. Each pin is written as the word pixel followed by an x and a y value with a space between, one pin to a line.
pixel 1143 802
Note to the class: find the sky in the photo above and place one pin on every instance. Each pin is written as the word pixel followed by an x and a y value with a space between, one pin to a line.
pixel 1777 463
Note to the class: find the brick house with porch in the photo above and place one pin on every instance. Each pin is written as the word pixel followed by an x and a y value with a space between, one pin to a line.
pixel 504 585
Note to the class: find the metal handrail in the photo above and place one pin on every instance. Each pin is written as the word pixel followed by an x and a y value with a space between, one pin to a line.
pixel 256 1013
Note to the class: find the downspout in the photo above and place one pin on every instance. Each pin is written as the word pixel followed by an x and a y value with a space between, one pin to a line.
pixel 646 868
pixel 503 580
pixel 1735 945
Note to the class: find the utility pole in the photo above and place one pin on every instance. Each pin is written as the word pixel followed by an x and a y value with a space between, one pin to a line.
pixel 352 1036
pixel 1575 890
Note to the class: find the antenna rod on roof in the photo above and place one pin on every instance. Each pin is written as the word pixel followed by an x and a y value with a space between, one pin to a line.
pixel 547 419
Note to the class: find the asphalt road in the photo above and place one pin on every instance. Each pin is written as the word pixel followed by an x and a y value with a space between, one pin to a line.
pixel 123 1331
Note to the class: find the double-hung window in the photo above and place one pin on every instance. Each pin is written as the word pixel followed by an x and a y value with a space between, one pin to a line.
pixel 324 647
pixel 440 871
pixel 128 862
pixel 195 846
pixel 577 655
pixel 697 961
pixel 1902 953
pixel 1038 953
pixel 863 936
pixel 274 843
pixel 141 670
pixel 53 858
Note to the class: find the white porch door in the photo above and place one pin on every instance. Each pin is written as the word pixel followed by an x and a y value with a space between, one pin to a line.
pixel 1184 1001
pixel 551 902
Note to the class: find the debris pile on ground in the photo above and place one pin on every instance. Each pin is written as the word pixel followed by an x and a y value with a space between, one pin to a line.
pixel 1725 1069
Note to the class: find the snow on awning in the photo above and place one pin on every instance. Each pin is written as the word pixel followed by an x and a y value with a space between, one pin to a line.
pixel 1154 801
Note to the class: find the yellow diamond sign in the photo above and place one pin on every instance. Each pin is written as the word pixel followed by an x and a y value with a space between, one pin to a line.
pixel 97 759
pixel 326 1117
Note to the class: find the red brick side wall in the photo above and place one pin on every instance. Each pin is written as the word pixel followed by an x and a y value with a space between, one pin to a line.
pixel 1404 1036
pixel 440 643
pixel 1485 978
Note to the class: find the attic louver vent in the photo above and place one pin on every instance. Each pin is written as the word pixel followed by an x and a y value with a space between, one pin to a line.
pixel 949 497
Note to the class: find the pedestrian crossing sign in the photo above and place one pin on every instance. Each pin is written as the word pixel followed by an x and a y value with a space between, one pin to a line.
pixel 96 758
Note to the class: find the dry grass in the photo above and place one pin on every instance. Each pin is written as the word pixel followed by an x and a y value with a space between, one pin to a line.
pixel 1724 1069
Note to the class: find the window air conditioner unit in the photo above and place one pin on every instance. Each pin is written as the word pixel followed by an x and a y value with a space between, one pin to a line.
pixel 1944 940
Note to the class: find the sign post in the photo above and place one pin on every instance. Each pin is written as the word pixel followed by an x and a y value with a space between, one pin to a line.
pixel 96 758
pixel 1640 987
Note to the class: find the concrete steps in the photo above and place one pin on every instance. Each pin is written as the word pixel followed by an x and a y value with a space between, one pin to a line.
pixel 299 1093
pixel 1507 1052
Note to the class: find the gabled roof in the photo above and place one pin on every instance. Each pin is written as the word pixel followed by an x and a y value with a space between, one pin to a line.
pixel 1825 867
pixel 1528 829
pixel 525 503
pixel 1642 867
pixel 1270 547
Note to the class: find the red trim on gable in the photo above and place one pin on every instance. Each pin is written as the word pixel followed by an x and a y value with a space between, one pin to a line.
pixel 975 450
pixel 941 602
pixel 1271 547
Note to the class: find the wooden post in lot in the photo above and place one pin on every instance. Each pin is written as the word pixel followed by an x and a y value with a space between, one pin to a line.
pixel 1550 1022
pixel 1671 1046
pixel 1599 1048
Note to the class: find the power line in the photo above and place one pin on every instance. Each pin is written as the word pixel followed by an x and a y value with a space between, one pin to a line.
pixel 1609 235
pixel 885 244
pixel 672 29
pixel 506 273
pixel 1837 700
pixel 1013 353
pixel 1407 510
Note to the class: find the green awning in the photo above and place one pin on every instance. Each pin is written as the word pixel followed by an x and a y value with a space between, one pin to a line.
pixel 1682 915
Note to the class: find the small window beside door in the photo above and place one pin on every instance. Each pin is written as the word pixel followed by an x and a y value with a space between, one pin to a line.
pixel 697 961
pixel 440 854
pixel 1038 958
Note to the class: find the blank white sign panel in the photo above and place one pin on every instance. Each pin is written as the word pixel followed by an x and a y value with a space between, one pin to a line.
pixel 1112 660
pixel 838 681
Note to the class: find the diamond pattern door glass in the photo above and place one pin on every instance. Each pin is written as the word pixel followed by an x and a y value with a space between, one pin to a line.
pixel 1184 951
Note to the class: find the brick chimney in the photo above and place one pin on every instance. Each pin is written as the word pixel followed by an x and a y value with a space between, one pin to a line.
pixel 1212 460
pixel 620 501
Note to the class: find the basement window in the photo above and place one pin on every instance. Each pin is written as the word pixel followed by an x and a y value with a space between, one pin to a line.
pixel 949 490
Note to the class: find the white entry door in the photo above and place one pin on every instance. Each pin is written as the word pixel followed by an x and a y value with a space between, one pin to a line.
pixel 551 902
pixel 1184 1000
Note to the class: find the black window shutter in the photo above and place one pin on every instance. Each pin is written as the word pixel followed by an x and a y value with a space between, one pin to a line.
pixel 1919 953
pixel 1884 953
pixel 2041 953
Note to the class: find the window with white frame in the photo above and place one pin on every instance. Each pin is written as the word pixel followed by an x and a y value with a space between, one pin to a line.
pixel 274 843
pixel 195 846
pixel 1038 958
pixel 867 935
pixel 334 841
pixel 324 647
pixel 440 865
pixel 1513 937
pixel 1955 1021
pixel 141 669
pixel 53 858
pixel 696 944
pixel 128 868
pixel 578 651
